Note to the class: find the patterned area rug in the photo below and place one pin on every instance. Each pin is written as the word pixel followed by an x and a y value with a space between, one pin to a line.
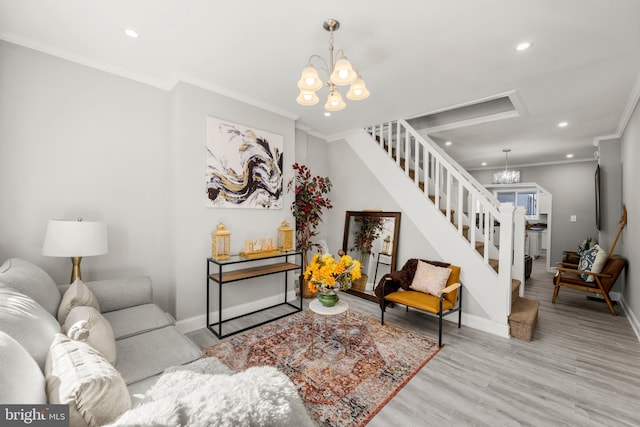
pixel 338 389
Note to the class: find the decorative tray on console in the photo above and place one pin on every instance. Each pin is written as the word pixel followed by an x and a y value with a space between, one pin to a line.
pixel 259 249
pixel 259 254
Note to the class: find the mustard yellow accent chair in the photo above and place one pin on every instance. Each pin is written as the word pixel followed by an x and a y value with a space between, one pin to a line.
pixel 449 301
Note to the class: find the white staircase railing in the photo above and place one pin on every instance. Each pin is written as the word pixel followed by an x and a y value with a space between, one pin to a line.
pixel 476 212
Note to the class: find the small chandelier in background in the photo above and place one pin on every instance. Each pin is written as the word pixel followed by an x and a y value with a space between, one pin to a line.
pixel 506 176
pixel 341 73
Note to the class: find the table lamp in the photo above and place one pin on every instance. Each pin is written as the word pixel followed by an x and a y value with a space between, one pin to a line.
pixel 75 239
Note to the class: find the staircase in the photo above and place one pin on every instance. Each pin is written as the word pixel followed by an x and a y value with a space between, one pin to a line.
pixel 448 204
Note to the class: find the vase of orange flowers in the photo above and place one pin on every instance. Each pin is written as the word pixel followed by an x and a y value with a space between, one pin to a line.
pixel 327 276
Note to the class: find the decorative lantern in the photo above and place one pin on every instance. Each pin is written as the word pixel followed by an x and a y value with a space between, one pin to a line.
pixel 386 245
pixel 285 237
pixel 221 242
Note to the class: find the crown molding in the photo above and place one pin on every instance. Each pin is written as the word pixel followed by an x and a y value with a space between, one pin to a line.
pixel 632 104
pixel 233 95
pixel 77 59
pixel 166 85
pixel 529 165
pixel 309 131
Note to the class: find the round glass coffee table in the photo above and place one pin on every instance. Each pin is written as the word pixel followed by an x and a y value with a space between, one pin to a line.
pixel 328 348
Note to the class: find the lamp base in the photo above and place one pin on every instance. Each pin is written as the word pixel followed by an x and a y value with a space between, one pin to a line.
pixel 75 272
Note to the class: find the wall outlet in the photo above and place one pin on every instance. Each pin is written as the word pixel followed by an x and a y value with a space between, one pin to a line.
pixel 573 218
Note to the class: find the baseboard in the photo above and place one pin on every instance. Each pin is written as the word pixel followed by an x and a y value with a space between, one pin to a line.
pixel 200 321
pixel 481 324
pixel 633 320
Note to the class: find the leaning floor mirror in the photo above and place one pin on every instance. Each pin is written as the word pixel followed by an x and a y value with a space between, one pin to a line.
pixel 371 237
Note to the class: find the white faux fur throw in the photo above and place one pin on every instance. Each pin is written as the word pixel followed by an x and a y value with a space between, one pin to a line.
pixel 198 395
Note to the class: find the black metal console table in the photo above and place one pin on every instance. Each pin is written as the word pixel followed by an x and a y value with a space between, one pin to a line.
pixel 216 273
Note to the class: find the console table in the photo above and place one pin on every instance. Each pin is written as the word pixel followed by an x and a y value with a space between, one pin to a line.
pixel 218 271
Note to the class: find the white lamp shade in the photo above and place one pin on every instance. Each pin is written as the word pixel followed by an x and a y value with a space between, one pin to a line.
pixel 334 102
pixel 75 238
pixel 343 73
pixel 309 80
pixel 358 90
pixel 307 98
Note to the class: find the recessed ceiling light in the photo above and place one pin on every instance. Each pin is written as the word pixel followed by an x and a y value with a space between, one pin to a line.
pixel 483 164
pixel 569 156
pixel 131 33
pixel 523 46
pixel 563 124
pixel 448 143
pixel 327 114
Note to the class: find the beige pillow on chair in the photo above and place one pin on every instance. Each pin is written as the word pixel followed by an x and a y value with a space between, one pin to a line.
pixel 430 279
pixel 77 294
pixel 87 325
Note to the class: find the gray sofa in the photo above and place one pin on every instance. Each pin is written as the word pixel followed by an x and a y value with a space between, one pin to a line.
pixel 146 338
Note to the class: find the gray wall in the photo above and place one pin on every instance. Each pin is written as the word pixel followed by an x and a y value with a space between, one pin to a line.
pixel 630 241
pixel 194 222
pixel 573 190
pixel 77 142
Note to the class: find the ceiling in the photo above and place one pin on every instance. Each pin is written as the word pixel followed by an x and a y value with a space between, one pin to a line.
pixel 417 57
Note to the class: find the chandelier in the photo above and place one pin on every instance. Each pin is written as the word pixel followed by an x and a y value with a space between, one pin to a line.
pixel 506 176
pixel 340 71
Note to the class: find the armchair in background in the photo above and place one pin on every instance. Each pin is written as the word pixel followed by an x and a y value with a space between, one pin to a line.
pixel 588 270
pixel 602 282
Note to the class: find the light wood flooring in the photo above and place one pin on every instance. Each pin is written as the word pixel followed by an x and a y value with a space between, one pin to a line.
pixel 582 368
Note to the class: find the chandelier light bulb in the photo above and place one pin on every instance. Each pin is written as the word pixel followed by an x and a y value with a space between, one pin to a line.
pixel 334 102
pixel 309 79
pixel 307 98
pixel 358 90
pixel 343 73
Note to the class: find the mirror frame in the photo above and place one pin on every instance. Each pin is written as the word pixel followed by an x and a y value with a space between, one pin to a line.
pixel 394 248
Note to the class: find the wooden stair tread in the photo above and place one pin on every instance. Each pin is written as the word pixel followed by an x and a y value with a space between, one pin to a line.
pixel 515 284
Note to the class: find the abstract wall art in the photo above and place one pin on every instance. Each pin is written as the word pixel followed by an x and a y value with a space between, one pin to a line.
pixel 244 166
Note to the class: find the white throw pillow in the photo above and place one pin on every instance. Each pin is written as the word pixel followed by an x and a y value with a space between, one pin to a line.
pixel 87 325
pixel 77 294
pixel 78 376
pixel 430 278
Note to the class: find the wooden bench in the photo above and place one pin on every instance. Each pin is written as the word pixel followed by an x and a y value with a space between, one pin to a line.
pixel 449 301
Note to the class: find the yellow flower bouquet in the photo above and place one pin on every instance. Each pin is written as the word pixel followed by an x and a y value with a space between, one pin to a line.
pixel 327 274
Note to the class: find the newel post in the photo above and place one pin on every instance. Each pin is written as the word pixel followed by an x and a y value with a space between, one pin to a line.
pixel 519 231
pixel 506 257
